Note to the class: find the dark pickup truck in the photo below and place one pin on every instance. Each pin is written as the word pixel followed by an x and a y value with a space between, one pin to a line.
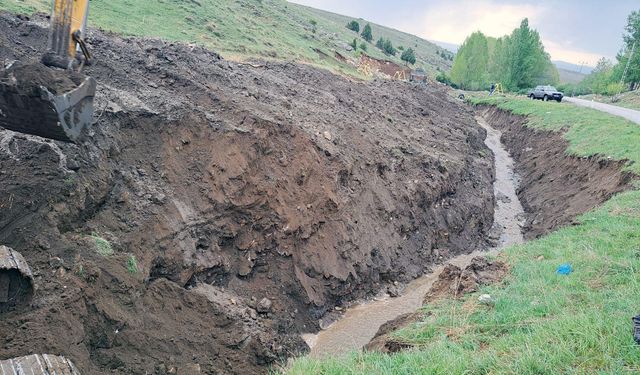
pixel 546 93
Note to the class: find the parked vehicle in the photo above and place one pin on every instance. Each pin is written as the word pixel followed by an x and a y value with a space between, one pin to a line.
pixel 546 93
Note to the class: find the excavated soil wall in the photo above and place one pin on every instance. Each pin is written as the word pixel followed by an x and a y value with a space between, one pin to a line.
pixel 240 202
pixel 555 187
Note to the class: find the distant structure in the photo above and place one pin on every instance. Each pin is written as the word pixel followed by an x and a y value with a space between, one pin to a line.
pixel 418 75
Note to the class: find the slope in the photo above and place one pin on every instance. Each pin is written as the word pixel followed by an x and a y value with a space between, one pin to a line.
pixel 242 29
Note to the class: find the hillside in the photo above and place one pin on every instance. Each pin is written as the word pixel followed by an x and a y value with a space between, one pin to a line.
pixel 569 76
pixel 245 29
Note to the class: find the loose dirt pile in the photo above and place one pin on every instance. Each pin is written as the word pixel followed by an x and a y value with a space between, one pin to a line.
pixel 217 209
pixel 555 187
pixel 28 78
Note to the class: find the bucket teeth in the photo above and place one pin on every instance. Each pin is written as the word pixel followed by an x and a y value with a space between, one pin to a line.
pixel 60 117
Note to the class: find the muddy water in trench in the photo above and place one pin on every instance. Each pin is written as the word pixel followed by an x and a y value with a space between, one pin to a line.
pixel 360 323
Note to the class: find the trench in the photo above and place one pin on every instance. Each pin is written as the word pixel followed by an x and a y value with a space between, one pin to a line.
pixel 359 323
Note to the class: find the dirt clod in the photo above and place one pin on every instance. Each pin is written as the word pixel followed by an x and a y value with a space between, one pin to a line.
pixel 29 77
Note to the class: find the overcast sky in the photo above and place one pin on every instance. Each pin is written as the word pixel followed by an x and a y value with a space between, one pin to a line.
pixel 572 30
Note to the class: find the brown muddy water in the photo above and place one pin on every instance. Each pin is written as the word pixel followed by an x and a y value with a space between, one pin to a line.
pixel 359 323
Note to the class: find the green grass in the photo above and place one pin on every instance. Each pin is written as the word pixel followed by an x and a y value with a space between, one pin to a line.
pixel 102 246
pixel 241 29
pixel 541 323
pixel 132 264
pixel 589 132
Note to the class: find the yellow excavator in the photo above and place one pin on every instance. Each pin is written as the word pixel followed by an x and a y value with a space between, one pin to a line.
pixel 60 116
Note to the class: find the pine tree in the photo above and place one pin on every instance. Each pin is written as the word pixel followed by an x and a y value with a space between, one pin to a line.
pixel 354 26
pixel 366 33
pixel 409 56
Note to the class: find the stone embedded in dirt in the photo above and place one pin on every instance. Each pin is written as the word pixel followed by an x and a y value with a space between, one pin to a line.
pixel 264 306
pixel 327 136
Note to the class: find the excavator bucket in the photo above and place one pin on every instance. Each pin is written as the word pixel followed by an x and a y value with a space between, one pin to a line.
pixel 61 117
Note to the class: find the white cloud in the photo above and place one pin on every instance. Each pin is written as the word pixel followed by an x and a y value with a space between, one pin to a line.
pixel 453 21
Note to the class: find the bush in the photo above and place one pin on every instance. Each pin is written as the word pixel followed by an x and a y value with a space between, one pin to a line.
pixel 443 78
pixel 409 56
pixel 354 26
pixel 388 48
pixel 363 46
pixel 614 89
pixel 132 264
pixel 380 43
pixel 103 246
pixel 354 44
pixel 366 33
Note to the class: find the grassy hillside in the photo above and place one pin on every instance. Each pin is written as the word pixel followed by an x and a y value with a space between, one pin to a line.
pixel 241 29
pixel 542 323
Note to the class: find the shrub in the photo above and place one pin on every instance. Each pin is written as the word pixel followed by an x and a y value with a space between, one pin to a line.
pixel 103 246
pixel 354 26
pixel 380 43
pixel 409 56
pixel 366 33
pixel 354 44
pixel 388 48
pixel 363 46
pixel 132 264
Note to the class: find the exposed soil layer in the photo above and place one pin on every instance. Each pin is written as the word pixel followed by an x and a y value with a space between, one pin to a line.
pixel 555 187
pixel 453 282
pixel 241 204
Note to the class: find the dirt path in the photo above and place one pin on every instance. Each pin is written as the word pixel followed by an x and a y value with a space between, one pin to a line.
pixel 629 114
pixel 360 323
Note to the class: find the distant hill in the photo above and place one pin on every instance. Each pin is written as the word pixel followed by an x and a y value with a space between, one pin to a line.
pixel 572 67
pixel 448 46
pixel 245 29
pixel 569 76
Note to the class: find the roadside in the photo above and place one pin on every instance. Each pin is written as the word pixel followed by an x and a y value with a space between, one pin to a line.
pixel 540 322
pixel 629 114
pixel 629 99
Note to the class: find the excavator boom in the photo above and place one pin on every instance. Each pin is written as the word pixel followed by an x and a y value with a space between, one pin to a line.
pixel 41 110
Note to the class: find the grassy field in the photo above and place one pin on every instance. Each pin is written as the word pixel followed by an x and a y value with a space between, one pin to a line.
pixel 542 322
pixel 629 99
pixel 241 29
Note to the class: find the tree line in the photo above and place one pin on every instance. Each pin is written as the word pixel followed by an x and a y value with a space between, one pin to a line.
pixel 518 61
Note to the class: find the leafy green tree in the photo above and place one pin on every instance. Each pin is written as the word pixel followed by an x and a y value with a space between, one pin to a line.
pixel 469 69
pixel 366 33
pixel 409 56
pixel 631 38
pixel 526 59
pixel 354 26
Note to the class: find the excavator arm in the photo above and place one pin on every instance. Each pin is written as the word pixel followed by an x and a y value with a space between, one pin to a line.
pixel 68 25
pixel 61 116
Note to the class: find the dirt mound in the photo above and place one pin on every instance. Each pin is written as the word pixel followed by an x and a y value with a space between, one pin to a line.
pixel 555 187
pixel 456 282
pixel 207 187
pixel 28 78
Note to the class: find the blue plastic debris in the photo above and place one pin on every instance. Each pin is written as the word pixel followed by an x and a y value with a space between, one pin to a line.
pixel 564 269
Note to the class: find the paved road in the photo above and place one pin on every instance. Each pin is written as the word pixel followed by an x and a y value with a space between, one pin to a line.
pixel 629 114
